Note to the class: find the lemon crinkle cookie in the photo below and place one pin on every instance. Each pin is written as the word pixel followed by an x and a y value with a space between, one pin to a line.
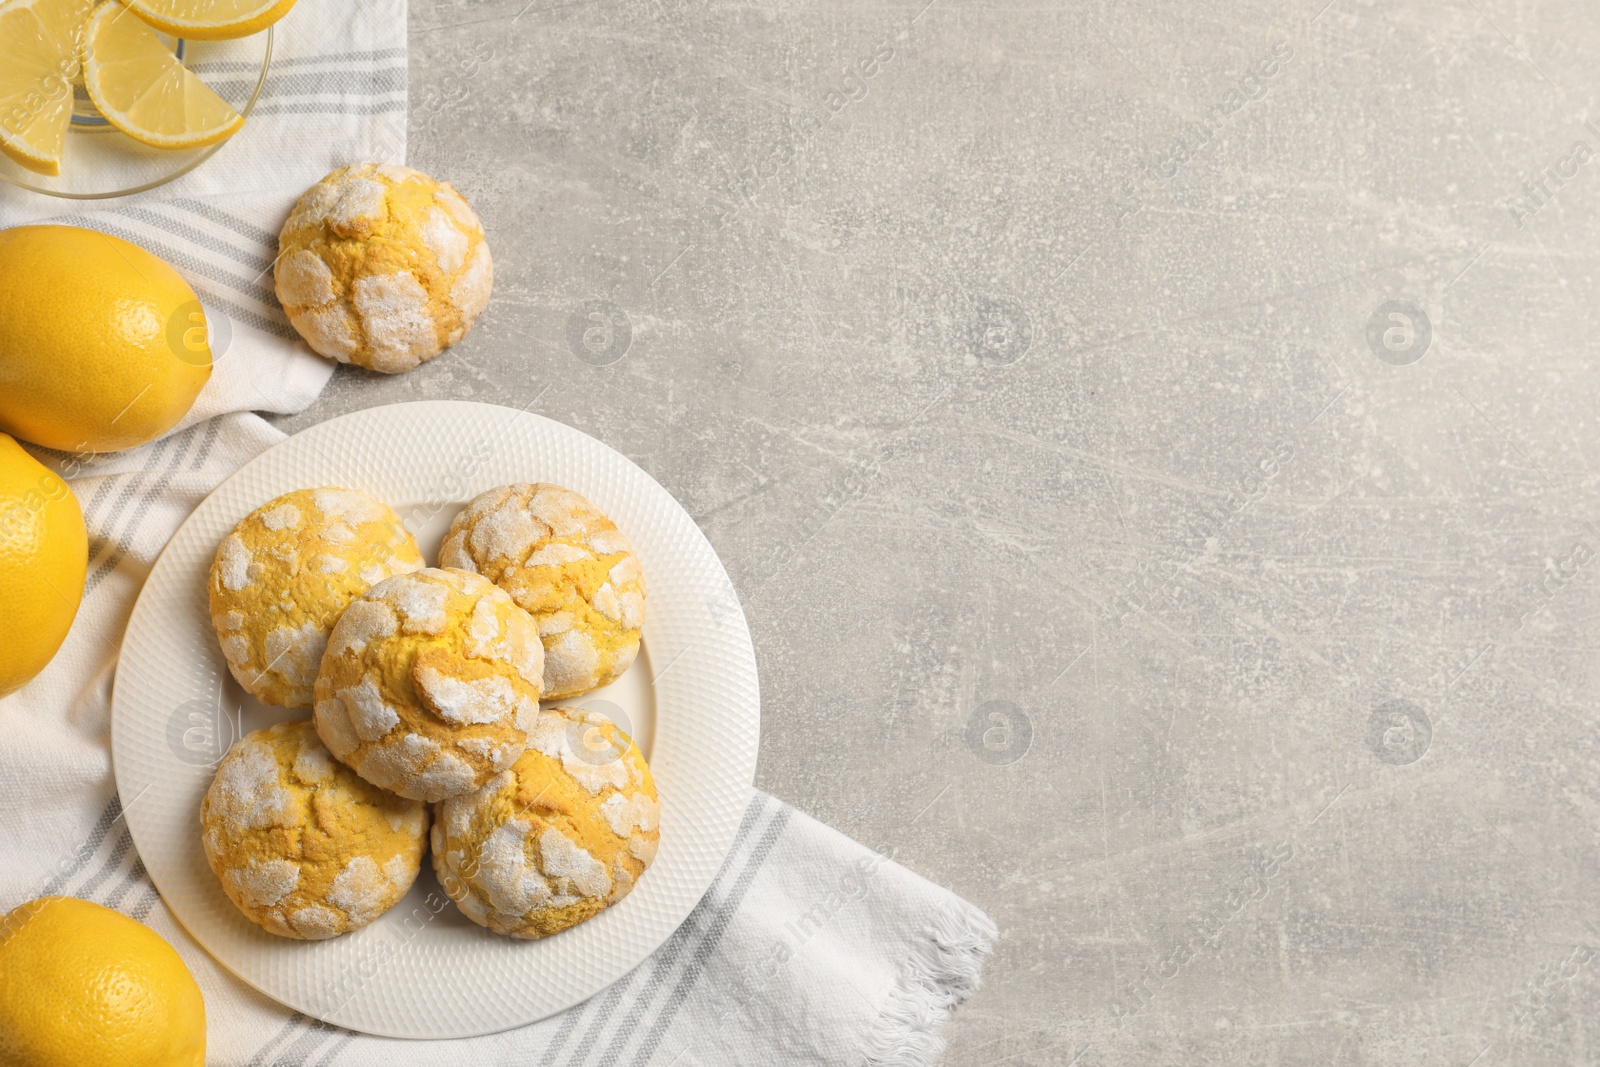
pixel 569 566
pixel 430 683
pixel 302 845
pixel 283 575
pixel 563 834
pixel 383 267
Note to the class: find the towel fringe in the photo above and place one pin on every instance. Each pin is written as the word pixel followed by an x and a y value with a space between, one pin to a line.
pixel 944 969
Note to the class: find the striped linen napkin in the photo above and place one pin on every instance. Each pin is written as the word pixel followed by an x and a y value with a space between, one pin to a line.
pixel 809 948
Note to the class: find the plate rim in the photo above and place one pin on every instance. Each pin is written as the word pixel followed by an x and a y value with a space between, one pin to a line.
pixel 720 848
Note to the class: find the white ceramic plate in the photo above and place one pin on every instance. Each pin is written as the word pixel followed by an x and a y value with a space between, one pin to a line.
pixel 425 971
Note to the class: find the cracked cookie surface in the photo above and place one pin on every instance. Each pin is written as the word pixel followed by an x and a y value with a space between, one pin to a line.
pixel 382 266
pixel 302 845
pixel 430 683
pixel 560 836
pixel 567 564
pixel 283 575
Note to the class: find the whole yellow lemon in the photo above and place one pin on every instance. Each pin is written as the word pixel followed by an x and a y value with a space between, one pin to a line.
pixel 102 345
pixel 82 984
pixel 44 551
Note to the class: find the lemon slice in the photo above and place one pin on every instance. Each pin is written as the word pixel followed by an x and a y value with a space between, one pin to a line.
pixel 211 20
pixel 38 63
pixel 142 89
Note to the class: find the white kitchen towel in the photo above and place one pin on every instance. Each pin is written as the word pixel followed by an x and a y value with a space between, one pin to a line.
pixel 336 94
pixel 808 949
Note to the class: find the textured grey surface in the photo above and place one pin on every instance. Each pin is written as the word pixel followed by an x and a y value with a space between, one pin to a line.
pixel 1032 388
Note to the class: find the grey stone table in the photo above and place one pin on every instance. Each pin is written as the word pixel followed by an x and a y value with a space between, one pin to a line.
pixel 1154 445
